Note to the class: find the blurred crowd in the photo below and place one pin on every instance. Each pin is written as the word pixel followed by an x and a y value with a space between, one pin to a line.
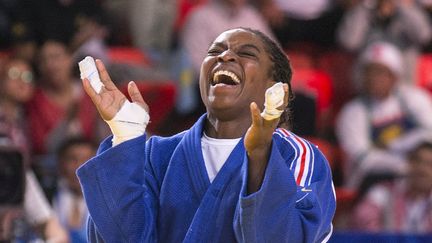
pixel 362 81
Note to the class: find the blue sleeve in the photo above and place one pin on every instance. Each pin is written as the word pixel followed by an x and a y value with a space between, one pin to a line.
pixel 119 193
pixel 282 211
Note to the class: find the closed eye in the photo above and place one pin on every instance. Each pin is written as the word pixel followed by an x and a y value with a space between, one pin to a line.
pixel 246 54
pixel 214 52
pixel 248 51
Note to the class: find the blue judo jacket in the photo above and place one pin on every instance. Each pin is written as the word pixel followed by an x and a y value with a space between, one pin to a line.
pixel 159 191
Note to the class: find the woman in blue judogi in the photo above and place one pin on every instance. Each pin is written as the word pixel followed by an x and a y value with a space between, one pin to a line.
pixel 238 175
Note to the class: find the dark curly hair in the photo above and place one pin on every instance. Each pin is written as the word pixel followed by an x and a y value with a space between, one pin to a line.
pixel 280 72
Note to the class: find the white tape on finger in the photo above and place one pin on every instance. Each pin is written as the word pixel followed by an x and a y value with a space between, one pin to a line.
pixel 88 70
pixel 274 98
pixel 129 122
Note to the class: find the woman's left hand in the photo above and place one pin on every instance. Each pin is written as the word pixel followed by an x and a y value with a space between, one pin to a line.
pixel 258 143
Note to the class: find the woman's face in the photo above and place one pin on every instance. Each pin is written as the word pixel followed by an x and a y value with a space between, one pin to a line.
pixel 235 72
pixel 18 81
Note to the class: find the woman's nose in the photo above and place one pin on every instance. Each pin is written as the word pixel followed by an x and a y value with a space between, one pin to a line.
pixel 227 56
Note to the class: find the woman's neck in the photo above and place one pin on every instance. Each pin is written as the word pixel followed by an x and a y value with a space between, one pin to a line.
pixel 216 128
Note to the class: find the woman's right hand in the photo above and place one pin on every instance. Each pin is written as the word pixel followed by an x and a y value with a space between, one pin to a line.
pixel 110 99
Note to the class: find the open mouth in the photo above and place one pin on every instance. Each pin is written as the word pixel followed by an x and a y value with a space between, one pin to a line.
pixel 225 77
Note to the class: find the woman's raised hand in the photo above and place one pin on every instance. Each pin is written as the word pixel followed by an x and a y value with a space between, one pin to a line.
pixel 258 140
pixel 110 99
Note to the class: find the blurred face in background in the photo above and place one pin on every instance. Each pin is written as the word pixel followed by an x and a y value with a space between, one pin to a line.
pixel 379 80
pixel 55 63
pixel 386 8
pixel 421 171
pixel 17 81
pixel 71 160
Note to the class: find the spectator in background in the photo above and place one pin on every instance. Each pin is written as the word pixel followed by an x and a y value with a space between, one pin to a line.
pixel 58 110
pixel 404 205
pixel 31 218
pixel 184 8
pixel 386 120
pixel 39 214
pixel 69 203
pixel 312 21
pixel 152 25
pixel 401 22
pixel 16 88
pixel 89 38
pixel 78 23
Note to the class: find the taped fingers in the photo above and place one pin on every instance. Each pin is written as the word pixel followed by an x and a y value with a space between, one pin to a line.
pixel 275 97
pixel 90 91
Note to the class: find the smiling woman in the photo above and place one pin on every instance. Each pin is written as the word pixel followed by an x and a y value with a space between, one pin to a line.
pixel 251 58
pixel 232 177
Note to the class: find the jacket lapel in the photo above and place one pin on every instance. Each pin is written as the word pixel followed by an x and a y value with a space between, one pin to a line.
pixel 191 146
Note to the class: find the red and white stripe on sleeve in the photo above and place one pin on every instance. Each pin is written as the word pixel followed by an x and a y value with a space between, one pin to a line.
pixel 303 161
